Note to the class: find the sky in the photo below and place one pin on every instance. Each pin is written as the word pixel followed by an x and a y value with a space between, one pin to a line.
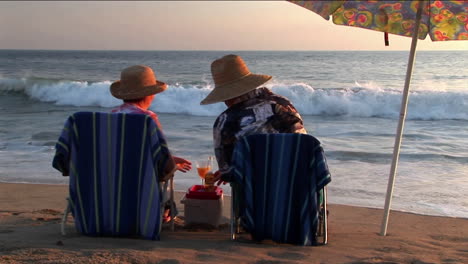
pixel 185 25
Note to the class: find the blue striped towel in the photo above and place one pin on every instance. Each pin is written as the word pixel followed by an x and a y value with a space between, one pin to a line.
pixel 279 176
pixel 114 162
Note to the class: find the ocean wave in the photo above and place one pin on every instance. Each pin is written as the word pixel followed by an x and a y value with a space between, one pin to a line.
pixel 368 100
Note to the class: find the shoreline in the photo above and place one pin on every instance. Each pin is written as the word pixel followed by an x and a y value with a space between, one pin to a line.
pixel 179 193
pixel 30 232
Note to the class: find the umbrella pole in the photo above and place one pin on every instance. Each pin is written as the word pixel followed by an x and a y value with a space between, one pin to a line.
pixel 401 123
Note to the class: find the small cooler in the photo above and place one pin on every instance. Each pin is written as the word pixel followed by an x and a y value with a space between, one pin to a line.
pixel 202 206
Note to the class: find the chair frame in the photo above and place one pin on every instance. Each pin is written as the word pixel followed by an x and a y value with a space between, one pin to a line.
pixel 322 226
pixel 169 182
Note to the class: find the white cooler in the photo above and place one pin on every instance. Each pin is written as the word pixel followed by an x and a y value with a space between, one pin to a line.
pixel 202 206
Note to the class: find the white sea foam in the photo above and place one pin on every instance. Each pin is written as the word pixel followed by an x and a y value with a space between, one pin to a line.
pixel 427 102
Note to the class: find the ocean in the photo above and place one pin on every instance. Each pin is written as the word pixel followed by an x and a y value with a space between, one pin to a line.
pixel 349 100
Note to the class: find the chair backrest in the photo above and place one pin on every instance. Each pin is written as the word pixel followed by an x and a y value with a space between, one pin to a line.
pixel 279 176
pixel 114 161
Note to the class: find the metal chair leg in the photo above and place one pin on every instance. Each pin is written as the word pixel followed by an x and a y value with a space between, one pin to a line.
pixel 322 230
pixel 325 217
pixel 64 217
pixel 168 186
pixel 233 217
pixel 171 182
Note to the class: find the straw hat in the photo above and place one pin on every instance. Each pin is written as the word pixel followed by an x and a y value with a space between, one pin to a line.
pixel 232 78
pixel 136 82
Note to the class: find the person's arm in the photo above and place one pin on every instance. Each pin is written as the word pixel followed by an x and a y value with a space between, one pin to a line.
pixel 169 169
pixel 223 147
pixel 287 119
pixel 222 165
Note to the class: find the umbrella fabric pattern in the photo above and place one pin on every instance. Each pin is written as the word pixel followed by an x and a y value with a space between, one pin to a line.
pixel 442 20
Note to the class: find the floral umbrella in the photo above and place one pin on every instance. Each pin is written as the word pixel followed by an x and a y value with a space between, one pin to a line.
pixel 442 20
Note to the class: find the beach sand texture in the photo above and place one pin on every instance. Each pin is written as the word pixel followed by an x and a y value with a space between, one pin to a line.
pixel 30 233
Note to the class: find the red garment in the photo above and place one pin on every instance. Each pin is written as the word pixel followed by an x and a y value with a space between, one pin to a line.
pixel 130 108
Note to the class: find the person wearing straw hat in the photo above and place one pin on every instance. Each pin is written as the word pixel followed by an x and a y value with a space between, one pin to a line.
pixel 137 88
pixel 252 109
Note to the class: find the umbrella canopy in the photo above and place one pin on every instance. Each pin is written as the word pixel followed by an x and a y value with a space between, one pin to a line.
pixel 442 20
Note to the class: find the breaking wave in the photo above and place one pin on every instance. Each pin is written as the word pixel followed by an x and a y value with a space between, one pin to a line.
pixel 358 101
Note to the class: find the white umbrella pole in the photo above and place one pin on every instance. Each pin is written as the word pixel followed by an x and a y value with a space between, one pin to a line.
pixel 401 123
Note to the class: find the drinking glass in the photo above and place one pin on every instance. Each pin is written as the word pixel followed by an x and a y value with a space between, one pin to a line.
pixel 204 166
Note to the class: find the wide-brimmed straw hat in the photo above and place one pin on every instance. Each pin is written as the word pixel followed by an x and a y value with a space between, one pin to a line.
pixel 232 78
pixel 136 82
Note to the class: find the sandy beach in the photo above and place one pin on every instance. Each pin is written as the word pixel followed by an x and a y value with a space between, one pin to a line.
pixel 30 233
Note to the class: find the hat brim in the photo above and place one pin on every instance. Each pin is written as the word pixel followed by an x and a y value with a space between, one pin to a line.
pixel 130 93
pixel 232 90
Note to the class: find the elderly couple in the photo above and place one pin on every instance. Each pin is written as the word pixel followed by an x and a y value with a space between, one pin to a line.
pixel 251 109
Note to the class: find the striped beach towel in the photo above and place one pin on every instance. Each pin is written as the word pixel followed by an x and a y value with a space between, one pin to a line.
pixel 279 177
pixel 114 162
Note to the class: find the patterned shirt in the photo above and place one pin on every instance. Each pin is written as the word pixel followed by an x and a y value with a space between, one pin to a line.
pixel 257 112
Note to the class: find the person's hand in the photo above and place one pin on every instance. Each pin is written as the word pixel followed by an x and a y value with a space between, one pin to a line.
pixel 217 178
pixel 183 165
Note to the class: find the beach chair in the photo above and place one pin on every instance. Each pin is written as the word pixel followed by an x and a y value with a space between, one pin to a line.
pixel 114 161
pixel 279 189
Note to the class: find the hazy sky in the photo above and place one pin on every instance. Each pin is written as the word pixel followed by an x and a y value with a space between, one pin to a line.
pixel 186 25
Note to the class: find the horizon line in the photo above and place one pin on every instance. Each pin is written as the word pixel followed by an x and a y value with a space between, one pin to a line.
pixel 214 50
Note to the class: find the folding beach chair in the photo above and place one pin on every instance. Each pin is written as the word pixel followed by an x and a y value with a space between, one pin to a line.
pixel 278 189
pixel 114 161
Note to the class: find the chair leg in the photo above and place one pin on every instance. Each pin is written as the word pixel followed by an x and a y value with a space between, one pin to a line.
pixel 325 217
pixel 235 218
pixel 163 186
pixel 168 186
pixel 171 190
pixel 64 217
pixel 233 221
pixel 233 234
pixel 322 230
